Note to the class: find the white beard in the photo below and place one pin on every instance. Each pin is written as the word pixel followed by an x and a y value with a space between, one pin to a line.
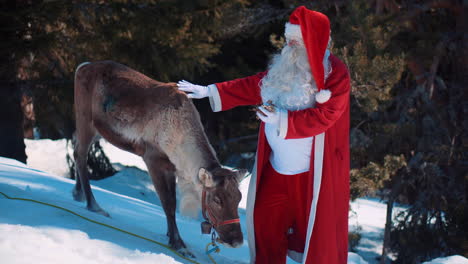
pixel 289 83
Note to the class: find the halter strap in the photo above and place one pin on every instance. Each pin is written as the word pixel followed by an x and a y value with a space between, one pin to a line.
pixel 211 218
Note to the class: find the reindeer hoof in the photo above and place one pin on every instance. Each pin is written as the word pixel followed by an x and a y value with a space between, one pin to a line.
pixel 185 252
pixel 78 195
pixel 180 247
pixel 102 212
pixel 98 210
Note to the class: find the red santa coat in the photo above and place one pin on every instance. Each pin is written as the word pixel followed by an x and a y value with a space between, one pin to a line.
pixel 327 235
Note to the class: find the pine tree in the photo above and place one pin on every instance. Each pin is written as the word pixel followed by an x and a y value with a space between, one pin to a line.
pixel 407 62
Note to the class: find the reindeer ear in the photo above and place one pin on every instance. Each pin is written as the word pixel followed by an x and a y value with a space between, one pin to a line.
pixel 206 178
pixel 241 174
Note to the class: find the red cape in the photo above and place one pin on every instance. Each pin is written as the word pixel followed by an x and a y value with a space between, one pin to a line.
pixel 327 241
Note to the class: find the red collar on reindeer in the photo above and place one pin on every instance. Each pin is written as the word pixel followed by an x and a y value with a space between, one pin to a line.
pixel 314 29
pixel 211 220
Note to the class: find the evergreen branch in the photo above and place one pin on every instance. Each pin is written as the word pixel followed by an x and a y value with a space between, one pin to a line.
pixel 237 139
pixel 36 82
pixel 418 9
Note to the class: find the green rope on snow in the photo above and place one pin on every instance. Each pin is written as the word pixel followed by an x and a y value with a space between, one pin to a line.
pixel 106 225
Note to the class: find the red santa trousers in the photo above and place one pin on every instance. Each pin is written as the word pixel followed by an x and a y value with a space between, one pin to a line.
pixel 281 215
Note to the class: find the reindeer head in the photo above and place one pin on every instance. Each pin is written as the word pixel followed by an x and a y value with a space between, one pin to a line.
pixel 221 197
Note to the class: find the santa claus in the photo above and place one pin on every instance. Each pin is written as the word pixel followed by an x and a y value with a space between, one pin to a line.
pixel 298 198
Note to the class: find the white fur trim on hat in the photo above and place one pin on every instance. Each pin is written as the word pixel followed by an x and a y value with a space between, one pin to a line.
pixel 322 96
pixel 292 31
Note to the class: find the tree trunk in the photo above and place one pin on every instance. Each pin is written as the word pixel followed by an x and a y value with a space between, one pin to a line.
pixel 388 226
pixel 397 185
pixel 11 124
pixel 11 113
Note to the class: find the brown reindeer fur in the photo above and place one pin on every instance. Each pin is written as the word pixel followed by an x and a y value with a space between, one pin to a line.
pixel 157 122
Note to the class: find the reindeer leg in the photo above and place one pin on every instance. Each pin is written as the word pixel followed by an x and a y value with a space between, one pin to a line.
pixel 82 186
pixel 78 194
pixel 162 172
pixel 80 153
pixel 82 190
pixel 85 134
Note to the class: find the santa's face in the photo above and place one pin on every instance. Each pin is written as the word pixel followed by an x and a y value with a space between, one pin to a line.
pixel 289 83
pixel 292 42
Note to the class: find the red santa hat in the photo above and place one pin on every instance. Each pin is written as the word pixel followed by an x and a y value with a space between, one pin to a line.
pixel 314 29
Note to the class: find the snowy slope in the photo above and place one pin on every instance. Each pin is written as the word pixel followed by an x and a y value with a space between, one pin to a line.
pixel 45 231
pixel 31 232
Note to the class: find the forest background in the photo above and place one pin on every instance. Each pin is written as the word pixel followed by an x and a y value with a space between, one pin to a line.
pixel 408 62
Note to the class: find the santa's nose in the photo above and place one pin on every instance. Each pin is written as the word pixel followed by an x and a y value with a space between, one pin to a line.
pixel 293 42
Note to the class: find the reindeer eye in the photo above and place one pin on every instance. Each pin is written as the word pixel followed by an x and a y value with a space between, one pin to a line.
pixel 217 200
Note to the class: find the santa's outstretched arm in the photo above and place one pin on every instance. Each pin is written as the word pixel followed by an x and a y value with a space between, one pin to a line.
pixel 226 95
pixel 242 91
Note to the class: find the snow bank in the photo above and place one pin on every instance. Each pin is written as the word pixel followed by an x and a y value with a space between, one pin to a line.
pixel 456 259
pixel 48 155
pixel 24 244
pixel 26 237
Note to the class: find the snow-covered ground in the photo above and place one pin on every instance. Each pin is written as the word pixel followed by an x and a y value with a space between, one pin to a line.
pixel 32 232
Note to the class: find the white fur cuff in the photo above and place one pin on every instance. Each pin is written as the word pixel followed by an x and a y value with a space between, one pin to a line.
pixel 322 96
pixel 215 99
pixel 292 31
pixel 283 123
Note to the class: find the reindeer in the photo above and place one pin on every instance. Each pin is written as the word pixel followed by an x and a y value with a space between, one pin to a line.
pixel 159 123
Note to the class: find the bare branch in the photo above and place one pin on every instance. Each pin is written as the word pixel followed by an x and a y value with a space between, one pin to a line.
pixel 379 5
pixel 439 51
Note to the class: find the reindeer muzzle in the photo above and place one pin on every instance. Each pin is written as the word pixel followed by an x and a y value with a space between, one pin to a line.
pixel 206 227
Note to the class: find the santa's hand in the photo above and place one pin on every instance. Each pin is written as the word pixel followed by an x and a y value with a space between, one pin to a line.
pixel 193 90
pixel 269 117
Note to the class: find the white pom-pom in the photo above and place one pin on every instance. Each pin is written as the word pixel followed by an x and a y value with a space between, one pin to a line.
pixel 322 96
